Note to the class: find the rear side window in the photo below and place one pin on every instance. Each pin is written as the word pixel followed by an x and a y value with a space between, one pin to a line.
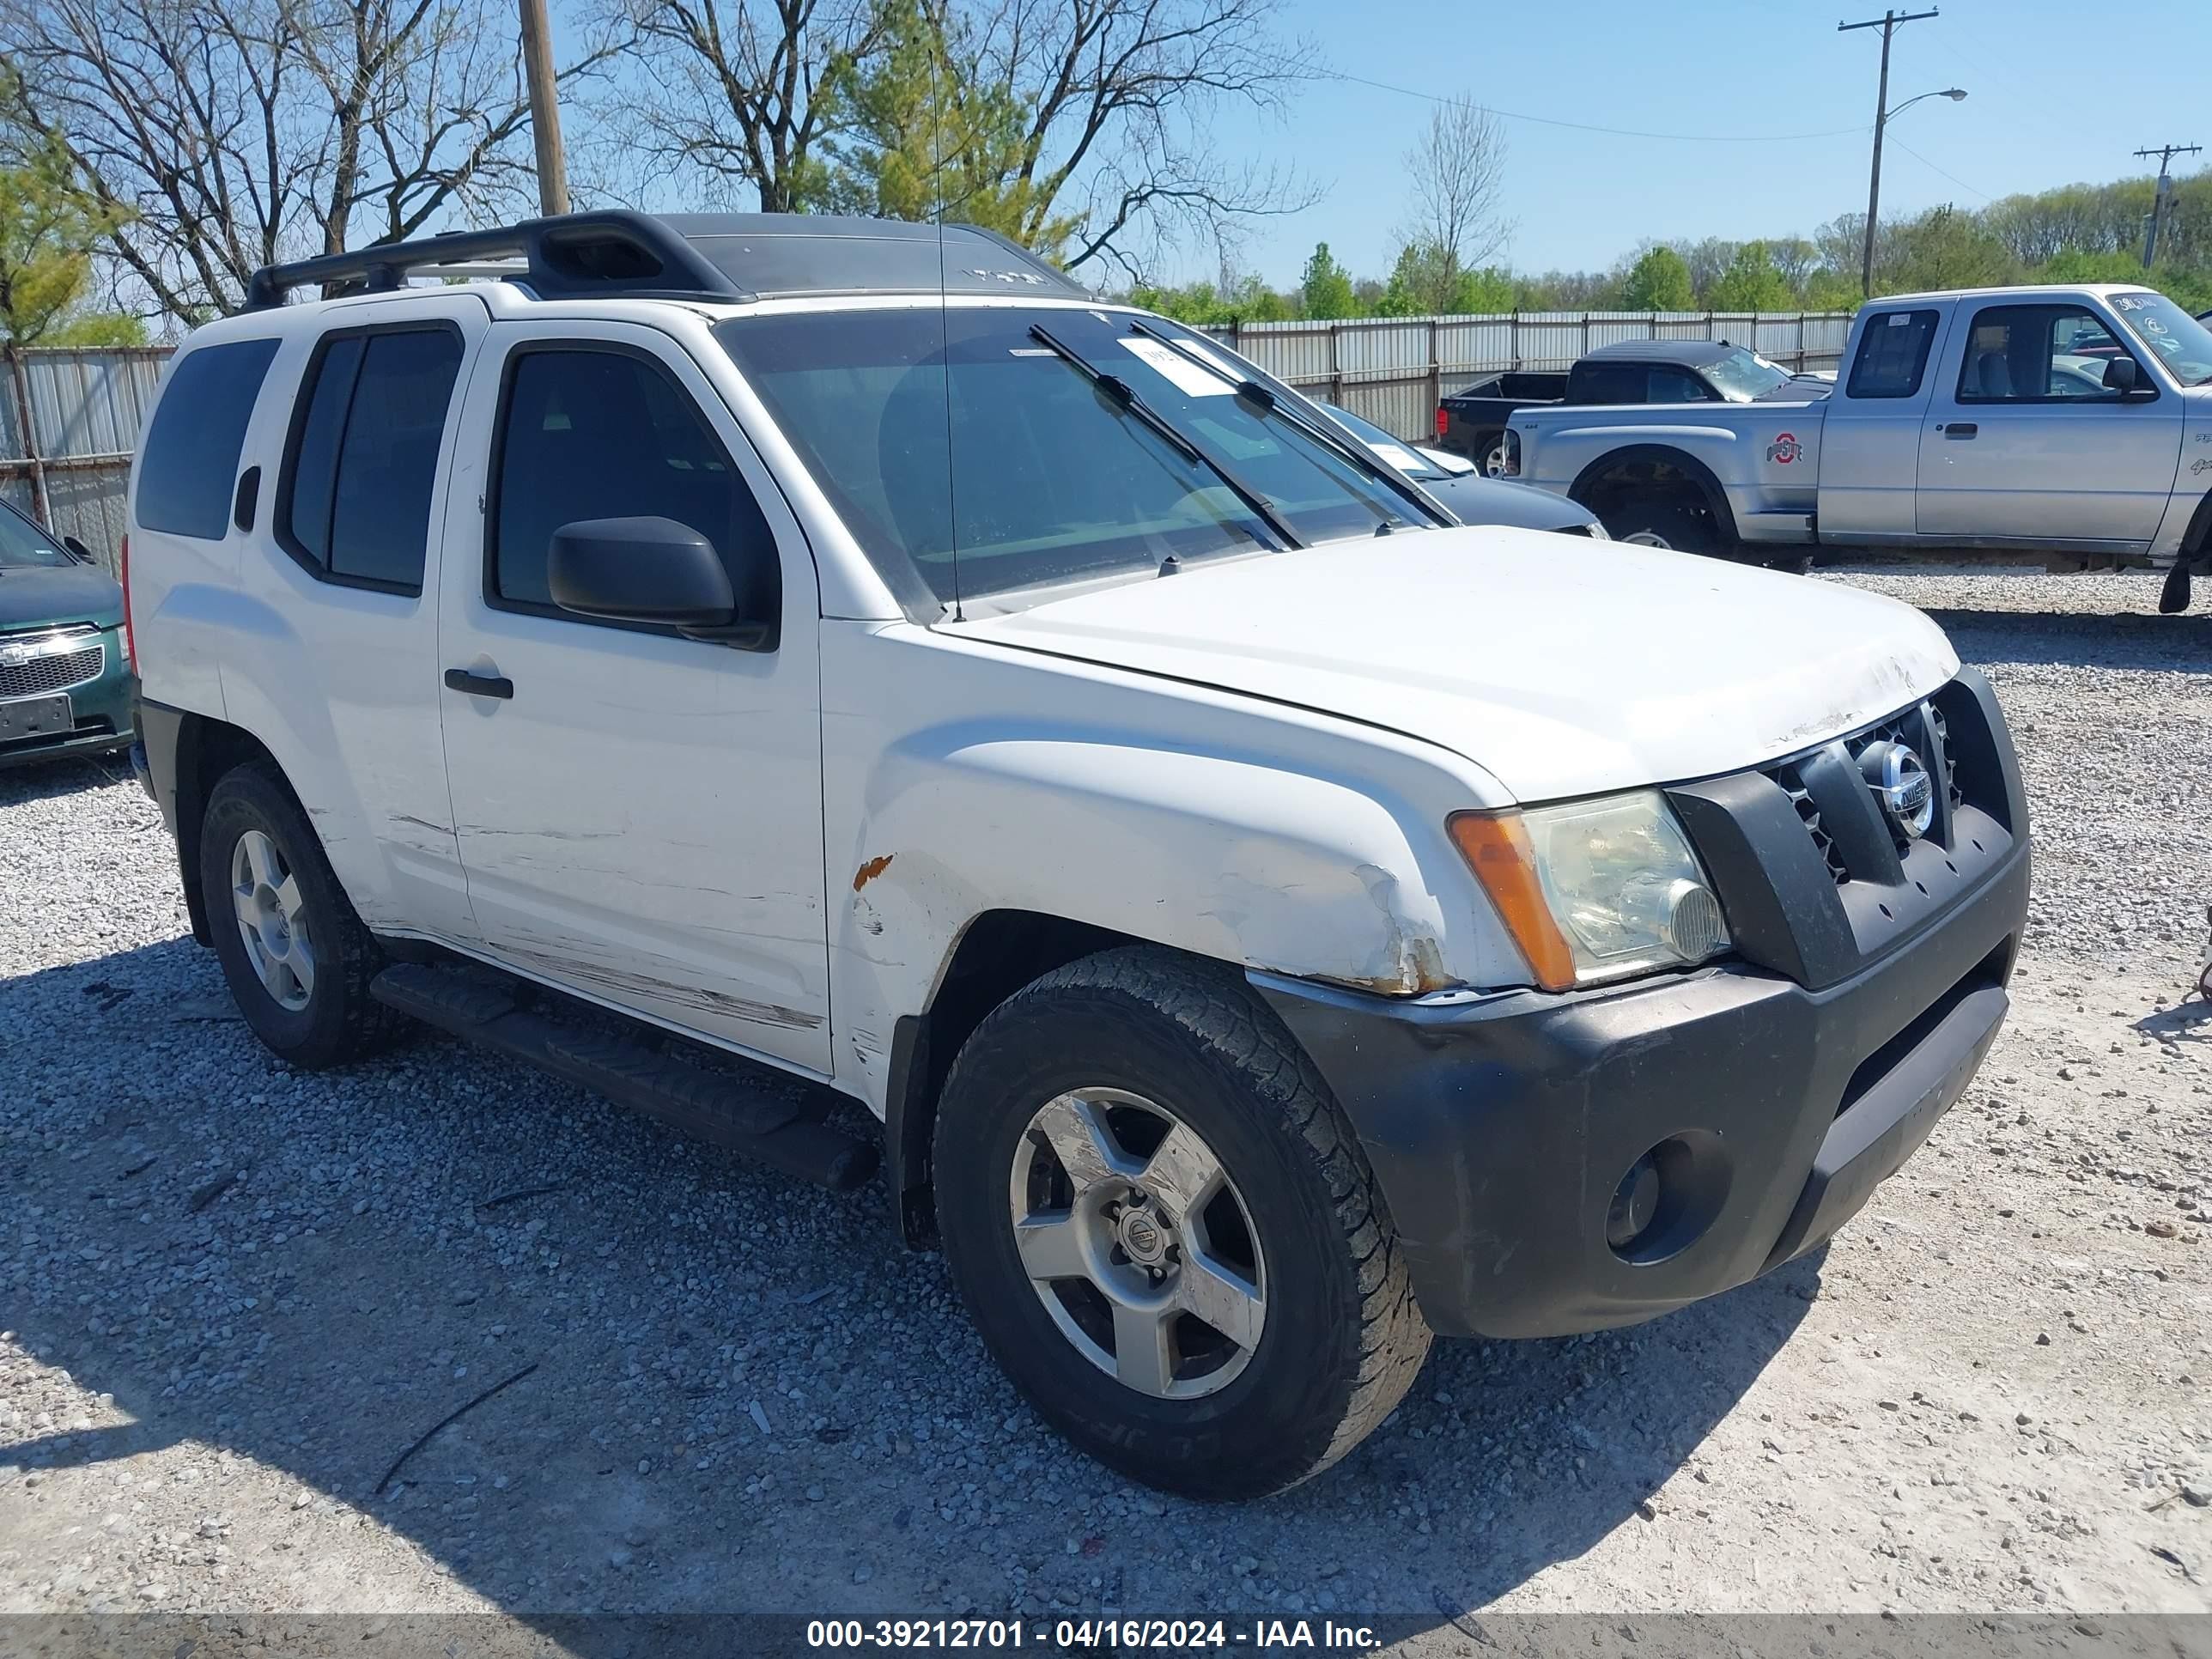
pixel 1892 355
pixel 189 458
pixel 1675 386
pixel 589 434
pixel 355 503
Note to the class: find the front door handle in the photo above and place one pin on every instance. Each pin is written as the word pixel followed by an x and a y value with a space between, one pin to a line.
pixel 1960 429
pixel 478 685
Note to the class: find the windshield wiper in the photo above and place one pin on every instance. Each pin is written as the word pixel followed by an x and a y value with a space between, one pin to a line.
pixel 1339 443
pixel 1123 396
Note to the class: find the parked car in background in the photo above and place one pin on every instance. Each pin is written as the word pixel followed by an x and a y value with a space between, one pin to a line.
pixel 2070 423
pixel 1474 421
pixel 65 682
pixel 1474 499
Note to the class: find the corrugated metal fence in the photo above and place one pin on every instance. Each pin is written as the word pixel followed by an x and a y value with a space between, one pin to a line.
pixel 82 409
pixel 69 419
pixel 1394 370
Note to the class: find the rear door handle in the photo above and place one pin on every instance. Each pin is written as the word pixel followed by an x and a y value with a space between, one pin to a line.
pixel 1960 429
pixel 478 685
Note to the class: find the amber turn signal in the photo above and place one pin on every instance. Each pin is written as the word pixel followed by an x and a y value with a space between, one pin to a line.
pixel 1496 848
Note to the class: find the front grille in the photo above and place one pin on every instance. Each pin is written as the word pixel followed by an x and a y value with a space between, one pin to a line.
pixel 58 662
pixel 1829 791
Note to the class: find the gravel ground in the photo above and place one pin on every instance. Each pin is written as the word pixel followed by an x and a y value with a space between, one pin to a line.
pixel 231 1296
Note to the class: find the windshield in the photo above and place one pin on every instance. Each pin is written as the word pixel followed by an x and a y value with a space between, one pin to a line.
pixel 1028 470
pixel 1740 377
pixel 24 546
pixel 1390 451
pixel 2183 344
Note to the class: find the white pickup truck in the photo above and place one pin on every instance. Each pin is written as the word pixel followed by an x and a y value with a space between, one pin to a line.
pixel 2074 423
pixel 1261 921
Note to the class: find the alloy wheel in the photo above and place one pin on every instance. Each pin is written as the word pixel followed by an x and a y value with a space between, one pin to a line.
pixel 1138 1243
pixel 272 921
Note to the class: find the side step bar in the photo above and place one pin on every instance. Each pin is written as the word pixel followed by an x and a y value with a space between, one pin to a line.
pixel 713 1107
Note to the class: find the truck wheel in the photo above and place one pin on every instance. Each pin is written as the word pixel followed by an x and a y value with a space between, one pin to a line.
pixel 297 957
pixel 1490 454
pixel 1665 521
pixel 1165 1231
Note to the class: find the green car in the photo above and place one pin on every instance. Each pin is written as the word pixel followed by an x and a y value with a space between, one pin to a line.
pixel 65 680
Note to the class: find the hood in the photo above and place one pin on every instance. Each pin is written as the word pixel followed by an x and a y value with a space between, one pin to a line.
pixel 1562 666
pixel 1474 499
pixel 35 597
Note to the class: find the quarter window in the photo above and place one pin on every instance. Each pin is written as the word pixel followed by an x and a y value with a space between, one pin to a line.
pixel 190 460
pixel 371 421
pixel 588 434
pixel 1892 355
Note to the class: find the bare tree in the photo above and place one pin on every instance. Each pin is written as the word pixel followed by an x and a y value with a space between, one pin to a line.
pixel 233 133
pixel 1456 173
pixel 738 95
pixel 1098 149
pixel 1120 95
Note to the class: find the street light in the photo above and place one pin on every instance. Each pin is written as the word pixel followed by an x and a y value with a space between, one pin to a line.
pixel 1882 118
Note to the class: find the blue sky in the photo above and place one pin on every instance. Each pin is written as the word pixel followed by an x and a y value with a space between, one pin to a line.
pixel 2059 93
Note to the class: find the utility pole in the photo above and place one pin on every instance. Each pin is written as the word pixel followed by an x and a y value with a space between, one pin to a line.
pixel 545 108
pixel 2165 152
pixel 1889 23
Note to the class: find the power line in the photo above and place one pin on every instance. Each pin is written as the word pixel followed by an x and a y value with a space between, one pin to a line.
pixel 1585 126
pixel 1953 177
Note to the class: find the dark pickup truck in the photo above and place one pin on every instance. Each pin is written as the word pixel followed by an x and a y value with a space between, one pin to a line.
pixel 1473 422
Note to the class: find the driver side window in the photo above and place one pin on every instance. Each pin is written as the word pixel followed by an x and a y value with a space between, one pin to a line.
pixel 2037 354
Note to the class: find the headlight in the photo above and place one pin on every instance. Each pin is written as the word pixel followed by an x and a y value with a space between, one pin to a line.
pixel 1597 531
pixel 1597 889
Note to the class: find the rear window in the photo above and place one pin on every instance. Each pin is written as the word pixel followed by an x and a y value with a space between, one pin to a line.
pixel 356 505
pixel 1892 355
pixel 189 458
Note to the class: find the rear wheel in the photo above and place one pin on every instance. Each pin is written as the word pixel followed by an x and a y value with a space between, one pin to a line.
pixel 296 956
pixel 1165 1231
pixel 1663 521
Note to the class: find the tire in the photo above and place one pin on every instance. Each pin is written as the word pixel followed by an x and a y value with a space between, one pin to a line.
pixel 309 1000
pixel 1488 452
pixel 1335 1338
pixel 1664 521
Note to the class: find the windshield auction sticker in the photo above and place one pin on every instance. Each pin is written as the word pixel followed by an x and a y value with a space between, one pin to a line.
pixel 1179 371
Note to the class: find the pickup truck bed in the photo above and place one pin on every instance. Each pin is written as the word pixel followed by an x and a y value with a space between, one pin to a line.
pixel 1474 421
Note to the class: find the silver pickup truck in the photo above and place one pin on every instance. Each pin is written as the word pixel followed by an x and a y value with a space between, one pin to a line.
pixel 2074 423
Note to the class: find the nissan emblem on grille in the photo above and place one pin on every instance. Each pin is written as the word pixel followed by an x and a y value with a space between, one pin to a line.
pixel 1901 784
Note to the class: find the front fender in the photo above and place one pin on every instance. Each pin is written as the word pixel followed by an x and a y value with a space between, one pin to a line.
pixel 1269 838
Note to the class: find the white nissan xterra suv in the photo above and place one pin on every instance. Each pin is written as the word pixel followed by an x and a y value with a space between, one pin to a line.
pixel 1270 921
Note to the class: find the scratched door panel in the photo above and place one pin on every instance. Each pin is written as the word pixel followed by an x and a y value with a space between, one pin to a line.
pixel 639 821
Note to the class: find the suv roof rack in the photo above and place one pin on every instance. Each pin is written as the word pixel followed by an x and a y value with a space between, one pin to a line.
pixel 727 257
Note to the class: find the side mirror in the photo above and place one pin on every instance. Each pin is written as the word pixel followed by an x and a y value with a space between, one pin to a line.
pixel 79 550
pixel 2121 376
pixel 654 570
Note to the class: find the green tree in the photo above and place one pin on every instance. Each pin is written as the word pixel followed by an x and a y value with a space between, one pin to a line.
pixel 1943 248
pixel 928 132
pixel 1324 290
pixel 1489 292
pixel 49 225
pixel 1660 280
pixel 1750 284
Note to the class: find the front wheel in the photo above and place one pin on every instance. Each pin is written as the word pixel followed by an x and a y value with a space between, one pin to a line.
pixel 1166 1232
